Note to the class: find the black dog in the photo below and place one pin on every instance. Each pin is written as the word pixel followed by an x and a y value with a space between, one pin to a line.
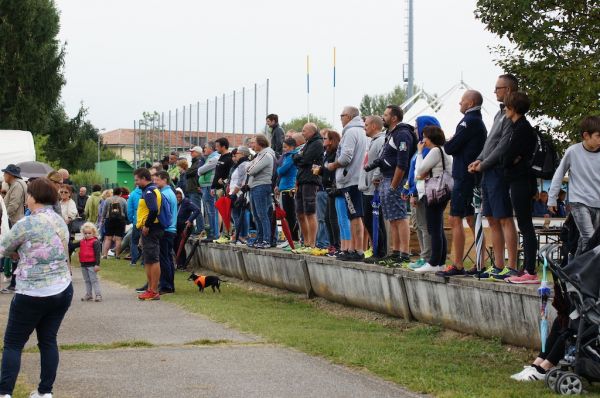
pixel 206 281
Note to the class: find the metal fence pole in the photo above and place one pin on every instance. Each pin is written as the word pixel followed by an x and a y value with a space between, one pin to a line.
pixel 223 113
pixel 207 103
pixel 233 126
pixel 255 89
pixel 162 131
pixel 170 133
pixel 191 125
pixel 198 123
pixel 134 146
pixel 267 105
pixel 177 128
pixel 243 109
pixel 183 125
pixel 216 106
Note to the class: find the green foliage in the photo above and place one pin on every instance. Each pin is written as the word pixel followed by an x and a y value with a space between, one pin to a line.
pixel 375 104
pixel 298 122
pixel 31 62
pixel 86 178
pixel 554 51
pixel 150 145
pixel 40 141
pixel 73 143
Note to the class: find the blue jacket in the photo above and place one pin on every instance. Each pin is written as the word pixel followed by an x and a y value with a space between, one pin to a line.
pixel 466 144
pixel 540 209
pixel 187 211
pixel 170 198
pixel 422 122
pixel 398 149
pixel 287 171
pixel 132 205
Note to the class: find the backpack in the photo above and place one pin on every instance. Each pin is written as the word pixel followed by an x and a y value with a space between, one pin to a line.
pixel 545 160
pixel 115 212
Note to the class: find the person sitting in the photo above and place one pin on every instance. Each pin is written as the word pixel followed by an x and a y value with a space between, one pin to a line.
pixel 561 206
pixel 540 206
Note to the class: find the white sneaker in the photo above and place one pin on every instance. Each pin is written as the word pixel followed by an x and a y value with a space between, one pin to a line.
pixel 283 245
pixel 111 253
pixel 529 373
pixel 5 396
pixel 36 394
pixel 429 268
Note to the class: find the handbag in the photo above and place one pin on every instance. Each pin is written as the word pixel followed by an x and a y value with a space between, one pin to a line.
pixel 439 189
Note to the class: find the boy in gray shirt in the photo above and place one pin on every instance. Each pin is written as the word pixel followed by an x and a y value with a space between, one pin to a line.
pixel 582 161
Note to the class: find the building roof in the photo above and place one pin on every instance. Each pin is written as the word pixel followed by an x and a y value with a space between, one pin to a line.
pixel 179 139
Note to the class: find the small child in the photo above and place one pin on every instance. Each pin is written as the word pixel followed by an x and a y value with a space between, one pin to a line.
pixel 582 161
pixel 89 258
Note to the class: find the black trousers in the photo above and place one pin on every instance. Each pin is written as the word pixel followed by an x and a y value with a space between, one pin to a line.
pixel 289 205
pixel 381 249
pixel 521 192
pixel 331 223
pixel 435 227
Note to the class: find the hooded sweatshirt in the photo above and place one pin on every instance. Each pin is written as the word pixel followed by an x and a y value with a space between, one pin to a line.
pixel 91 207
pixel 287 171
pixel 350 154
pixel 206 172
pixel 261 168
pixel 413 186
pixel 365 183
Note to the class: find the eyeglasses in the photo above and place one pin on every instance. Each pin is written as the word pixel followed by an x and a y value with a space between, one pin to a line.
pixel 64 192
pixel 343 114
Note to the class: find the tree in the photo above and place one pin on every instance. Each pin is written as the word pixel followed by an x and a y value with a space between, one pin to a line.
pixel 299 122
pixel 375 105
pixel 31 62
pixel 73 143
pixel 554 51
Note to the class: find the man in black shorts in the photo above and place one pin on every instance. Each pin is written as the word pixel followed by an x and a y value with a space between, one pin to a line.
pixel 152 231
pixel 464 146
pixel 348 163
pixel 308 182
pixel 115 214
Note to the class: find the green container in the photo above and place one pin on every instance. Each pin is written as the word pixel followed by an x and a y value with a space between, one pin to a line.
pixel 118 172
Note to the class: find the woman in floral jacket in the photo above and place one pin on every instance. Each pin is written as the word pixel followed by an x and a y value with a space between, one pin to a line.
pixel 43 291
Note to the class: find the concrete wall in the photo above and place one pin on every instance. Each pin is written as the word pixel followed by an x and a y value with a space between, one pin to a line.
pixel 488 309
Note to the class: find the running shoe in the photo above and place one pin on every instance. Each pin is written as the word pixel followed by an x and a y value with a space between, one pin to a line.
pixel 504 273
pixel 283 244
pixel 319 252
pixel 451 270
pixel 417 264
pixel 529 373
pixel 368 253
pixel 487 274
pixel 149 295
pixel 428 268
pixel 524 279
pixel 222 239
pixel 353 256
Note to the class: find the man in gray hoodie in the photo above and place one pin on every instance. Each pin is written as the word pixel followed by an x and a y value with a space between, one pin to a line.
pixel 348 164
pixel 260 172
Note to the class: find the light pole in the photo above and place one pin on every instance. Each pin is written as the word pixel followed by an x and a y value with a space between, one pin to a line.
pixel 99 138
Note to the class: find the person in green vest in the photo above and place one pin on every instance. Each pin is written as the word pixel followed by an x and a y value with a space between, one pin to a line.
pixel 91 206
pixel 173 170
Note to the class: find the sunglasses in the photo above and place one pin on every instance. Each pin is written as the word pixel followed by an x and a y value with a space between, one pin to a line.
pixel 64 192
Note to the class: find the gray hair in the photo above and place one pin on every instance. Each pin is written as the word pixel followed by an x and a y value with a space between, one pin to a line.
pixel 212 145
pixel 351 111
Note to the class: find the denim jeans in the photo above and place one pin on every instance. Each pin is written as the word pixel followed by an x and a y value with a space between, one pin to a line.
pixel 196 198
pixel 240 219
pixel 26 314
pixel 167 268
pixel 211 213
pixel 587 220
pixel 322 233
pixel 135 241
pixel 260 198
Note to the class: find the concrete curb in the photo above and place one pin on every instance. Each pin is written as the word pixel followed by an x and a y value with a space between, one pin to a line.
pixel 487 309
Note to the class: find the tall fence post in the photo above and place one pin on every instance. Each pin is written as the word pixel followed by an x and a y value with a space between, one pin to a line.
pixel 190 141
pixel 207 103
pixel 134 146
pixel 255 89
pixel 267 105
pixel 177 127
pixel 243 110
pixel 170 133
pixel 233 126
pixel 183 125
pixel 223 113
pixel 198 123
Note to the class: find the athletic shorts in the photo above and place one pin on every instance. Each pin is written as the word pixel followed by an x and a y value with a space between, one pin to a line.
pixel 354 202
pixel 151 245
pixel 394 208
pixel 306 199
pixel 114 227
pixel 461 201
pixel 495 194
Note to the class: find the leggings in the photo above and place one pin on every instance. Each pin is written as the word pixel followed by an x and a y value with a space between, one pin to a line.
pixel 343 220
pixel 521 192
pixel 435 226
pixel 331 222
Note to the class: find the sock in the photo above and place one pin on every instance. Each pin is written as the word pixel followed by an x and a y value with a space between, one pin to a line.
pixel 539 369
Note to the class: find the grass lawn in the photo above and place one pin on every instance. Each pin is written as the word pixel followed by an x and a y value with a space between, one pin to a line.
pixel 423 358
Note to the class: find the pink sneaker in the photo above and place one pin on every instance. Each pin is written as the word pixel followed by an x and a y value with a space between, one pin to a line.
pixel 526 278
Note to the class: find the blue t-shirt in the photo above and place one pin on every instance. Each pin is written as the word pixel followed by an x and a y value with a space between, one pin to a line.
pixel 169 196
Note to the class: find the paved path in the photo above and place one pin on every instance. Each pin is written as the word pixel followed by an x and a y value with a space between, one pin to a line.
pixel 245 366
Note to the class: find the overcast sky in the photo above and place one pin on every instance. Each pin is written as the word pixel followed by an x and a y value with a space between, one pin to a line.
pixel 129 56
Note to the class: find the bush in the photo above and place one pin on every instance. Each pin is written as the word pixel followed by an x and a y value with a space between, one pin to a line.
pixel 86 178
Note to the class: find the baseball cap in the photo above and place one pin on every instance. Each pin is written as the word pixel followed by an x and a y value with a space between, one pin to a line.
pixel 196 149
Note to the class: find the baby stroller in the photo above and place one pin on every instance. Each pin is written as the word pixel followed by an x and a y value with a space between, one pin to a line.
pixel 580 282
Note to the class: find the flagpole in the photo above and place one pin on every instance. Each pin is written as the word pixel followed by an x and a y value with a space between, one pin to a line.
pixel 333 107
pixel 308 87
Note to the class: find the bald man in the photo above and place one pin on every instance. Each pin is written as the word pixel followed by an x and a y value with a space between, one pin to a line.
pixel 308 183
pixel 464 146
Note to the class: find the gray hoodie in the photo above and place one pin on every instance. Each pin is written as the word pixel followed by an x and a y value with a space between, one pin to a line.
pixel 351 153
pixel 261 168
pixel 496 143
pixel 365 183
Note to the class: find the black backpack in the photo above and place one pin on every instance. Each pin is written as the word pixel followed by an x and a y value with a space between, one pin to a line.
pixel 115 212
pixel 545 159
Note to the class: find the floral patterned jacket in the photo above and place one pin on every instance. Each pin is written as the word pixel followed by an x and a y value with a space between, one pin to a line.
pixel 39 240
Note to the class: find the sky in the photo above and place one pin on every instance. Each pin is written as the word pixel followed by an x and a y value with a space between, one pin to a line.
pixel 129 56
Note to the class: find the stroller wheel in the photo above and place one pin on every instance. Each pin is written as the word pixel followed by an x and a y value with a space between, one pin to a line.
pixel 552 376
pixel 569 384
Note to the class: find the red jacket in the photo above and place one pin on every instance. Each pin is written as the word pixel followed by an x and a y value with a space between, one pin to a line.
pixel 86 250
